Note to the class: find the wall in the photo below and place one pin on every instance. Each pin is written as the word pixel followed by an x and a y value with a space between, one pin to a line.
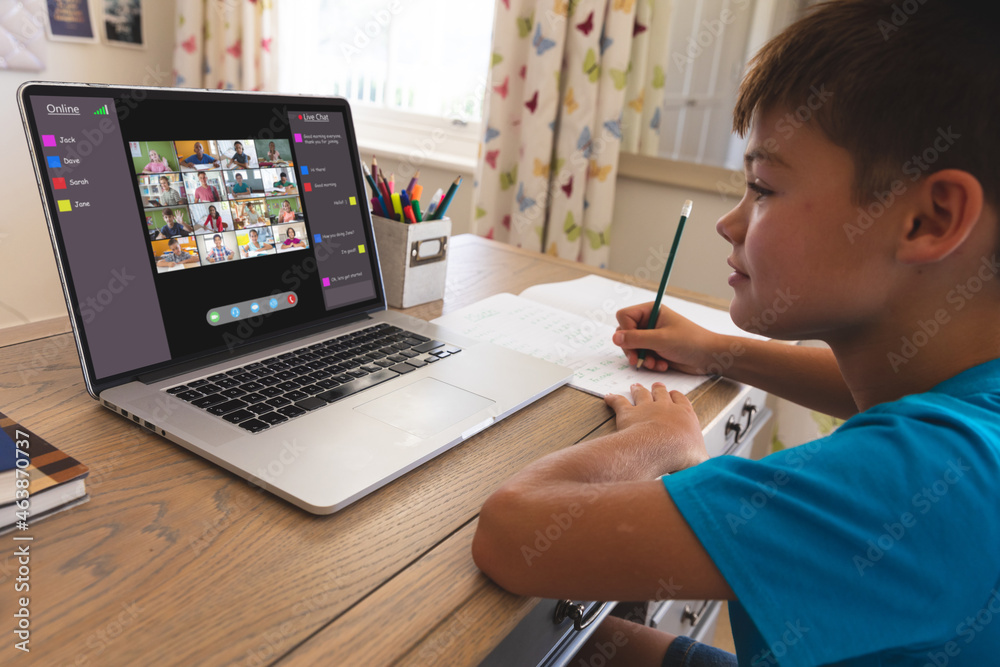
pixel 645 219
pixel 29 281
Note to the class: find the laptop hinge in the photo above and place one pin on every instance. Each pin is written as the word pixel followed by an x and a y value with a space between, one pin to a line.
pixel 250 348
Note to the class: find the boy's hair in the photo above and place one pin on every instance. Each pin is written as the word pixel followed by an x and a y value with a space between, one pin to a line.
pixel 907 87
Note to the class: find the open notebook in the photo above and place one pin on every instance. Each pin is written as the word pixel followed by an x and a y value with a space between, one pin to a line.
pixel 571 323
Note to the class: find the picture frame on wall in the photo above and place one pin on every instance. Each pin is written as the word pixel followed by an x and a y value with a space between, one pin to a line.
pixel 70 21
pixel 122 23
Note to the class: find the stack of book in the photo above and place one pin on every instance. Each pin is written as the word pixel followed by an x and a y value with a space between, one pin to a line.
pixel 55 480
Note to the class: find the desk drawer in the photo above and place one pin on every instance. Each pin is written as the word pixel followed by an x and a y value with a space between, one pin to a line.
pixel 539 641
pixel 694 618
pixel 738 423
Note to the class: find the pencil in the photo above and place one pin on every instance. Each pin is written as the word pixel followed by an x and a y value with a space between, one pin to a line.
pixel 443 206
pixel 374 186
pixel 655 313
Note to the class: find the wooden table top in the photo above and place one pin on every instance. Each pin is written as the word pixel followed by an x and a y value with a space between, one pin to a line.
pixel 175 561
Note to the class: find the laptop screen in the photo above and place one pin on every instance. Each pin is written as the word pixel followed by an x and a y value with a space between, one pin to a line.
pixel 193 222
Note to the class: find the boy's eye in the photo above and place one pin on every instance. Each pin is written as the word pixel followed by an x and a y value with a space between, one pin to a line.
pixel 760 192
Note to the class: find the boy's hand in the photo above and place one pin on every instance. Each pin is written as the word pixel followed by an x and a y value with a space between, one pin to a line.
pixel 676 343
pixel 662 419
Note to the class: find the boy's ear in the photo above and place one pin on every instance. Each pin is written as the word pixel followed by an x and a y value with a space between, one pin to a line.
pixel 948 204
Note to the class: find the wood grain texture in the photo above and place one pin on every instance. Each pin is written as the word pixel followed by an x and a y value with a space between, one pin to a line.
pixel 175 561
pixel 204 555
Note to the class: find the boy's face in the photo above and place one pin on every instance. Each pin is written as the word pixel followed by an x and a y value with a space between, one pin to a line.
pixel 796 272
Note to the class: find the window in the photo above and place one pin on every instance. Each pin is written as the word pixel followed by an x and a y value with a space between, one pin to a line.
pixel 710 41
pixel 427 59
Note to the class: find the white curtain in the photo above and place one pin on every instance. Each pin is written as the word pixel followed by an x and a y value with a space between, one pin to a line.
pixel 564 80
pixel 226 44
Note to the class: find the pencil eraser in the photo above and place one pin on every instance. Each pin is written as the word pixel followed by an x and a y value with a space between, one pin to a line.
pixel 686 209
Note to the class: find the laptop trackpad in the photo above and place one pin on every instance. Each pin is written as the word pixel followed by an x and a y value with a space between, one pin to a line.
pixel 425 407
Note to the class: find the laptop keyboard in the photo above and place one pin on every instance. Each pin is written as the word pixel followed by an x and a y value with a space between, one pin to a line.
pixel 272 391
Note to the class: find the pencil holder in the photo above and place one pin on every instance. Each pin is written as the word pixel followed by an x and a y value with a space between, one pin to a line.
pixel 414 259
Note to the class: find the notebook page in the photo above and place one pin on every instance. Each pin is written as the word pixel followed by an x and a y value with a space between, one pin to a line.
pixel 542 331
pixel 598 299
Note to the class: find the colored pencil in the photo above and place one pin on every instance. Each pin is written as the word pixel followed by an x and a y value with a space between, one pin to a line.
pixel 446 202
pixel 651 324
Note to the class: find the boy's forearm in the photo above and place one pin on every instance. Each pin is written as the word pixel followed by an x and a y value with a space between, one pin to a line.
pixel 808 376
pixel 624 643
pixel 622 456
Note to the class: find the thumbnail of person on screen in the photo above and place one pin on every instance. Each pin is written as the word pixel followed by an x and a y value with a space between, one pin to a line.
pixel 286 214
pixel 291 240
pixel 175 256
pixel 239 158
pixel 246 214
pixel 213 221
pixel 255 245
pixel 220 253
pixel 205 192
pixel 174 225
pixel 272 153
pixel 240 188
pixel 168 196
pixel 283 183
pixel 200 157
pixel 156 165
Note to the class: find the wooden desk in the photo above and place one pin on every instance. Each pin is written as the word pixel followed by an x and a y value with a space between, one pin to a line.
pixel 175 561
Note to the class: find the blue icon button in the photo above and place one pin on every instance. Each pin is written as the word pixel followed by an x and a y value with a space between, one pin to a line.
pixel 254 307
pixel 235 312
pixel 273 303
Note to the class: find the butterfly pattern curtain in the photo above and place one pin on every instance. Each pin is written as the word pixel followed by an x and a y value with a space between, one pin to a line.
pixel 226 44
pixel 563 72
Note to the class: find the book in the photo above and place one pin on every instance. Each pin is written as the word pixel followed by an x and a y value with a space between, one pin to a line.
pixel 571 323
pixel 56 480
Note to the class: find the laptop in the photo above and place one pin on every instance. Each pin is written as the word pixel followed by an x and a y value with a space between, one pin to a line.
pixel 222 277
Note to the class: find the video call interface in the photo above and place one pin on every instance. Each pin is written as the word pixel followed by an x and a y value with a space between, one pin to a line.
pixel 235 203
pixel 212 201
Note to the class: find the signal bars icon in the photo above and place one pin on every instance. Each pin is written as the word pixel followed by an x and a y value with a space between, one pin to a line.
pixel 103 111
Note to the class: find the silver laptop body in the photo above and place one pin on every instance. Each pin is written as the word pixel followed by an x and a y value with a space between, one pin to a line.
pixel 154 320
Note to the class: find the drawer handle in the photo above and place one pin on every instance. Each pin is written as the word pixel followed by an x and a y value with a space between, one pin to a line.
pixel 693 616
pixel 733 425
pixel 566 609
pixel 749 410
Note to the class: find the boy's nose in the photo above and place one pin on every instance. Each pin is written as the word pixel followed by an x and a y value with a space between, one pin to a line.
pixel 731 226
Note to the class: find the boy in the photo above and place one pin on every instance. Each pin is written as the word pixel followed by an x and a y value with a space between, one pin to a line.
pixel 871 199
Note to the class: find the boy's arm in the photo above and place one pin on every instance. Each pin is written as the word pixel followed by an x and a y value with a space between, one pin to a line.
pixel 631 644
pixel 804 375
pixel 592 522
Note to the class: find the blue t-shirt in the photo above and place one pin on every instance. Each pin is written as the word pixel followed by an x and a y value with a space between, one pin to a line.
pixel 204 159
pixel 877 545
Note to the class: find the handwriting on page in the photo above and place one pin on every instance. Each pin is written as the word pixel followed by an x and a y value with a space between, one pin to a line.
pixel 560 337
